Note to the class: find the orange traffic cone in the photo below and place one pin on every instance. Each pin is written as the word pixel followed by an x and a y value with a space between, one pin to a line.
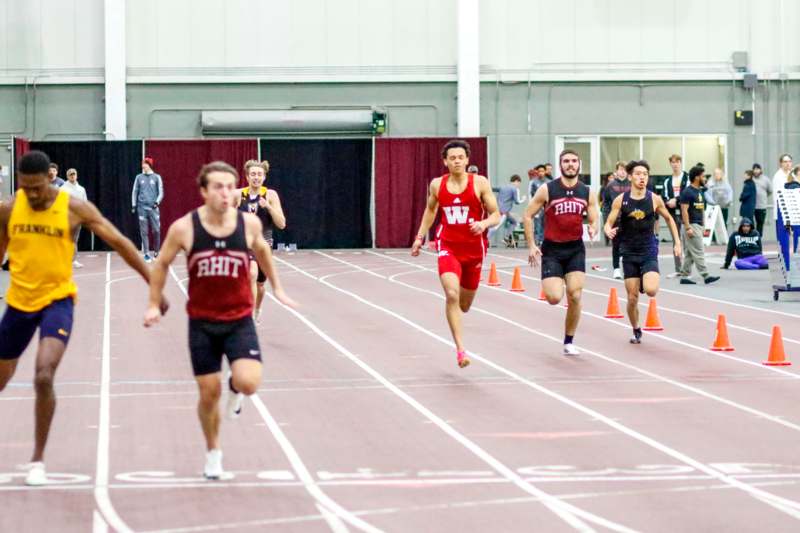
pixel 721 342
pixel 777 357
pixel 653 323
pixel 612 309
pixel 494 281
pixel 541 294
pixel 516 282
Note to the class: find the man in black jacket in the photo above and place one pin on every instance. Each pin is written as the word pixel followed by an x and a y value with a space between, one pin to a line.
pixel 673 187
pixel 746 245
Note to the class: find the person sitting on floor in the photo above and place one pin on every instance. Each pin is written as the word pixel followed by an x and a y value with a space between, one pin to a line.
pixel 746 244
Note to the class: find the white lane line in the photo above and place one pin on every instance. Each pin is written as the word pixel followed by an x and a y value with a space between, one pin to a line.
pixel 98 524
pixel 787 506
pixel 334 522
pixel 731 324
pixel 294 458
pixel 700 392
pixel 679 293
pixel 569 513
pixel 101 494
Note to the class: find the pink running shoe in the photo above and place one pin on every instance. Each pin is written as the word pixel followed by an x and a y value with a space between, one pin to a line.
pixel 463 360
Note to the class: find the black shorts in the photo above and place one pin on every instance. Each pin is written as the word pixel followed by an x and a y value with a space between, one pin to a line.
pixel 17 327
pixel 208 341
pixel 561 258
pixel 636 266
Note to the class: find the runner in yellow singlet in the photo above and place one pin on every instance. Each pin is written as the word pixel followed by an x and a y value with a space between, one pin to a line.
pixel 36 228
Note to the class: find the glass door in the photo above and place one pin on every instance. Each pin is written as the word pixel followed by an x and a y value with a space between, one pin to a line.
pixel 588 150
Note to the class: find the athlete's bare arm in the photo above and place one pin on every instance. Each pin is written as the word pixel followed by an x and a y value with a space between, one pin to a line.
pixel 5 215
pixel 237 198
pixel 609 228
pixel 86 214
pixel 594 216
pixel 263 254
pixel 661 209
pixel 538 201
pixel 179 235
pixel 428 216
pixel 489 201
pixel 273 205
pixel 685 220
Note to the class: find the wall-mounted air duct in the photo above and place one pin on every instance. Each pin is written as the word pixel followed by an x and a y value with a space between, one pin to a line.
pixel 290 121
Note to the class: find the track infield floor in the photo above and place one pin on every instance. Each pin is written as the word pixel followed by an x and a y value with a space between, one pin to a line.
pixel 364 422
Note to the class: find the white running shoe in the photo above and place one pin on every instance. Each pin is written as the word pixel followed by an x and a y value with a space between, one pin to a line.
pixel 76 264
pixel 213 468
pixel 36 474
pixel 617 273
pixel 147 258
pixel 673 275
pixel 571 349
pixel 234 406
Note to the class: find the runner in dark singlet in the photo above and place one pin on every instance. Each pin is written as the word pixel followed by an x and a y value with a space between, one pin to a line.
pixel 636 211
pixel 563 254
pixel 217 239
pixel 266 205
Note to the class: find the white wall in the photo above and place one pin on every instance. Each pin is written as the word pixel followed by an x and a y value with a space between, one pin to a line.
pixel 61 41
pixel 635 39
pixel 278 40
pixel 55 40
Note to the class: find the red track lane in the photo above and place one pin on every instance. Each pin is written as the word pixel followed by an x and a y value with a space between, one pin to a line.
pixel 377 456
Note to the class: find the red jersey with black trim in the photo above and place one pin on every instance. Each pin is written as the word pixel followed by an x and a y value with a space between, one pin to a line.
pixel 219 275
pixel 457 212
pixel 563 215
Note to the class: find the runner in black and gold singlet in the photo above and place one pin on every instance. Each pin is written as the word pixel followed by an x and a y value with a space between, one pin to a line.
pixel 266 205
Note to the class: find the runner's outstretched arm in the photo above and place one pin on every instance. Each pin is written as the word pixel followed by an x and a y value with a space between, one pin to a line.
pixel 537 202
pixel 428 216
pixel 263 255
pixel 158 276
pixel 661 209
pixel 594 215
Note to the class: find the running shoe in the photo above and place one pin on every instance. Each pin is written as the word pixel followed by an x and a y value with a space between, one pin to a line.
pixel 463 360
pixel 36 476
pixel 571 349
pixel 76 264
pixel 147 258
pixel 687 281
pixel 617 273
pixel 637 337
pixel 674 275
pixel 213 467
pixel 235 399
pixel 710 279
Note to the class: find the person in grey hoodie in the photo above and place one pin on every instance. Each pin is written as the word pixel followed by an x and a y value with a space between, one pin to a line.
pixel 719 192
pixel 763 191
pixel 507 197
pixel 148 191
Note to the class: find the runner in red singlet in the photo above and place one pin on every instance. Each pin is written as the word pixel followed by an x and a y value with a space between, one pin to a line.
pixel 563 254
pixel 217 239
pixel 464 201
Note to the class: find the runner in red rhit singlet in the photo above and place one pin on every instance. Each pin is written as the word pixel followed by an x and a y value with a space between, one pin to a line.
pixel 563 255
pixel 217 238
pixel 463 202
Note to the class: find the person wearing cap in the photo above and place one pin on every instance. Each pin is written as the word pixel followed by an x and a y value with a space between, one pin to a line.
pixel 148 191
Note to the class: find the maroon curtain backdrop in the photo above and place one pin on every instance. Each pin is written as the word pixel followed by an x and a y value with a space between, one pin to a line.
pixel 21 147
pixel 403 170
pixel 178 163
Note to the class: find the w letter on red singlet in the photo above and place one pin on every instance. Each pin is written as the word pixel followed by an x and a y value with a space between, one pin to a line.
pixel 456 214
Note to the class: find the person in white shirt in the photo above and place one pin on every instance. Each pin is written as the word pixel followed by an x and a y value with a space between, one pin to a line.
pixel 75 189
pixel 778 183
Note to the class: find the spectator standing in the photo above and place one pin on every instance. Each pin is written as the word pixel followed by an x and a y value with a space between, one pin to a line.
pixel 617 184
pixel 673 187
pixel 747 199
pixel 148 191
pixel 693 207
pixel 763 191
pixel 75 190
